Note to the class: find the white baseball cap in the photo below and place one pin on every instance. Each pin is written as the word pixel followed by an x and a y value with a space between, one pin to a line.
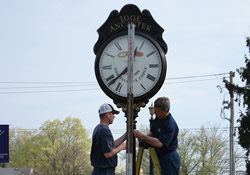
pixel 104 108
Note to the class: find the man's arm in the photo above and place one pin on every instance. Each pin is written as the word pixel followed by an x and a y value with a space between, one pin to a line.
pixel 148 138
pixel 120 140
pixel 115 150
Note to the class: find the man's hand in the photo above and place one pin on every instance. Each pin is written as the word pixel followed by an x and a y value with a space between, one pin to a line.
pixel 123 146
pixel 148 138
pixel 138 135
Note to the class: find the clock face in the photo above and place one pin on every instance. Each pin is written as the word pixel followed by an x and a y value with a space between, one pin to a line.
pixel 148 66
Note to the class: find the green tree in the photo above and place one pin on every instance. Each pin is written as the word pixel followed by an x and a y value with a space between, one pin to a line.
pixel 187 150
pixel 211 146
pixel 203 152
pixel 244 92
pixel 64 148
pixel 57 148
pixel 21 146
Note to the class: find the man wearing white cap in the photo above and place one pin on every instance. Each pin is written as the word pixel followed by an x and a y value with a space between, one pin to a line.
pixel 104 148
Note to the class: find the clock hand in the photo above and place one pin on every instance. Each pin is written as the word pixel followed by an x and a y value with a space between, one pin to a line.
pixel 135 52
pixel 123 72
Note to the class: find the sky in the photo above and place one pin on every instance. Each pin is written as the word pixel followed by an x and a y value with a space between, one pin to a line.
pixel 47 59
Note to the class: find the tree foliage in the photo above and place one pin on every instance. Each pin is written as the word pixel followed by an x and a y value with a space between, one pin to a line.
pixel 244 92
pixel 57 148
pixel 203 152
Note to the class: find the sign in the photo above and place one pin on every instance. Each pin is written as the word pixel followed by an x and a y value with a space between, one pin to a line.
pixel 4 143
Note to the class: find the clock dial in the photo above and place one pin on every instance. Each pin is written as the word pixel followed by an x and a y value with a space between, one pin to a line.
pixel 147 66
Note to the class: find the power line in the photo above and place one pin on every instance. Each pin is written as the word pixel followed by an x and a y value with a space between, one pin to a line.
pixel 26 92
pixel 64 86
pixel 93 83
pixel 192 81
pixel 89 84
pixel 198 76
pixel 47 86
pixel 45 82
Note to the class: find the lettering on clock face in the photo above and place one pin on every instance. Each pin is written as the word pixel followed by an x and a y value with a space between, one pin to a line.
pixel 147 66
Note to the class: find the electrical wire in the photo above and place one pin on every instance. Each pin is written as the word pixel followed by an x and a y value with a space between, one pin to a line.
pixel 91 85
pixel 47 86
pixel 191 81
pixel 198 76
pixel 80 82
pixel 27 92
pixel 43 82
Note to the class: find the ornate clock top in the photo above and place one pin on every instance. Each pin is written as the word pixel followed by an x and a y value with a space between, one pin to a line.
pixel 118 22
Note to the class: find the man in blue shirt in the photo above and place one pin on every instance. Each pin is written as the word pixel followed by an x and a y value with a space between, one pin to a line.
pixel 163 136
pixel 104 149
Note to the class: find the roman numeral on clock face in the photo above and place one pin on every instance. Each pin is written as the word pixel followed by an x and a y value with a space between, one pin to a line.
pixel 118 46
pixel 118 87
pixel 151 77
pixel 110 77
pixel 112 56
pixel 107 67
pixel 143 87
pixel 151 53
pixel 153 65
pixel 141 45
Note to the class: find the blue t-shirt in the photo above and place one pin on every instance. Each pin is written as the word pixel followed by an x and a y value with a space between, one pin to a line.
pixel 102 142
pixel 166 130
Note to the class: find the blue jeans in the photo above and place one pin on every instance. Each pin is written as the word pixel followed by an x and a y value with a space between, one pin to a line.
pixel 103 171
pixel 170 163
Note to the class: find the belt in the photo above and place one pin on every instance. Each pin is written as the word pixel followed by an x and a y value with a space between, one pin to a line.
pixel 101 169
pixel 162 153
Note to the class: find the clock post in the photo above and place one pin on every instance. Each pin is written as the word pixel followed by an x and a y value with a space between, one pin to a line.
pixel 130 154
pixel 130 69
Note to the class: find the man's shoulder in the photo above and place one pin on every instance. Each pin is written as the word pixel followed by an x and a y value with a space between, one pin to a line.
pixel 170 117
pixel 101 128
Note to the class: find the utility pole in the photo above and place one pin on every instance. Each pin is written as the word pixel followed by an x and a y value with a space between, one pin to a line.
pixel 232 131
pixel 231 120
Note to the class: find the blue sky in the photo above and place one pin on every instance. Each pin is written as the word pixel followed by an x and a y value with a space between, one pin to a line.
pixel 45 43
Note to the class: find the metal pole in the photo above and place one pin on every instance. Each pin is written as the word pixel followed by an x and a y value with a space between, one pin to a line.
pixel 232 155
pixel 151 112
pixel 130 167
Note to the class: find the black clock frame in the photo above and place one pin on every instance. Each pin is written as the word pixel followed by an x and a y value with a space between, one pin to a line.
pixel 148 95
